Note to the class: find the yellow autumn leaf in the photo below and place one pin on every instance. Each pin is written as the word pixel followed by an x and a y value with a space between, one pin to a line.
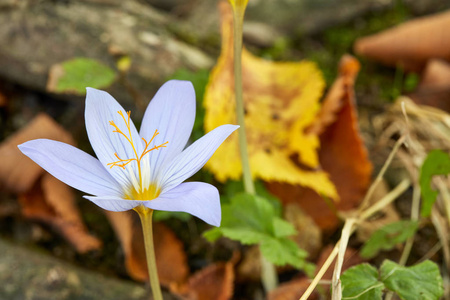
pixel 281 100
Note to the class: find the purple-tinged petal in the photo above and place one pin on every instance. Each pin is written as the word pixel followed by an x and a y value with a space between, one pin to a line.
pixel 197 198
pixel 72 166
pixel 101 109
pixel 172 113
pixel 193 158
pixel 115 203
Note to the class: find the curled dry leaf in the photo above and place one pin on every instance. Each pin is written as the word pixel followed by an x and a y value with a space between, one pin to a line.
pixel 42 197
pixel 342 153
pixel 18 173
pixel 281 99
pixel 434 87
pixel 171 259
pixel 51 202
pixel 410 44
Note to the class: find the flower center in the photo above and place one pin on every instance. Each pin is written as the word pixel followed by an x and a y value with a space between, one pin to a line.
pixel 138 190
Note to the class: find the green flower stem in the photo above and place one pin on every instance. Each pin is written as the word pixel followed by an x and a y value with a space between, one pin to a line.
pixel 268 272
pixel 145 214
pixel 238 16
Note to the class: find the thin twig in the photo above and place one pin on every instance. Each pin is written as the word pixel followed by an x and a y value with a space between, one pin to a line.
pixel 320 274
pixel 346 232
pixel 388 198
pixel 380 175
pixel 415 208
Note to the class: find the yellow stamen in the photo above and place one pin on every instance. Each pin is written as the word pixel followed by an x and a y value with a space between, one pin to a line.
pixel 146 193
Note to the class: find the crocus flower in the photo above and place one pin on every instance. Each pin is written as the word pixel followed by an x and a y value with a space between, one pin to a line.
pixel 146 168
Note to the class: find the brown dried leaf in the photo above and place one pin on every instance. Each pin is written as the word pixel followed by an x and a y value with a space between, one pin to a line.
pixel 342 153
pixel 434 88
pixel 171 259
pixel 18 173
pixel 213 282
pixel 410 44
pixel 52 202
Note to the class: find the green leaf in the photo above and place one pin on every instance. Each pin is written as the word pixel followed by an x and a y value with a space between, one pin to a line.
pixel 283 251
pixel 422 281
pixel 388 237
pixel 249 212
pixel 253 219
pixel 76 74
pixel 245 236
pixel 436 163
pixel 282 228
pixel 361 283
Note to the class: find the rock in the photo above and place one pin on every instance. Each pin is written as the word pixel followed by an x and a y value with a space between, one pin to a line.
pixel 30 275
pixel 37 35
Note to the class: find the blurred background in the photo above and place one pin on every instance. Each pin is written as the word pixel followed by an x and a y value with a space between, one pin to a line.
pixel 56 245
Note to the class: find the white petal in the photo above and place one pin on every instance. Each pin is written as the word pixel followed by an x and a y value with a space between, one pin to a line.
pixel 193 158
pixel 101 108
pixel 197 198
pixel 115 203
pixel 172 113
pixel 72 166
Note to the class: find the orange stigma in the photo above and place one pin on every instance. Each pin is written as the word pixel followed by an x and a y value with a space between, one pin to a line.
pixel 123 162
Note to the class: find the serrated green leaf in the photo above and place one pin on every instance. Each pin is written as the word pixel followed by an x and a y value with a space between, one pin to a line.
pixel 282 251
pixel 436 163
pixel 388 237
pixel 248 212
pixel 245 236
pixel 79 73
pixel 282 228
pixel 246 218
pixel 252 219
pixel 419 282
pixel 361 283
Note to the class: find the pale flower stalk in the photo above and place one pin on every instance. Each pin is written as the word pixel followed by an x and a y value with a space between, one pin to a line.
pixel 142 171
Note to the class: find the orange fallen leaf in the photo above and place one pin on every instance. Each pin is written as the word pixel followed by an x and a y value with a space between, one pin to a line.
pixel 281 99
pixel 51 202
pixel 410 44
pixel 171 259
pixel 18 173
pixel 434 87
pixel 342 153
